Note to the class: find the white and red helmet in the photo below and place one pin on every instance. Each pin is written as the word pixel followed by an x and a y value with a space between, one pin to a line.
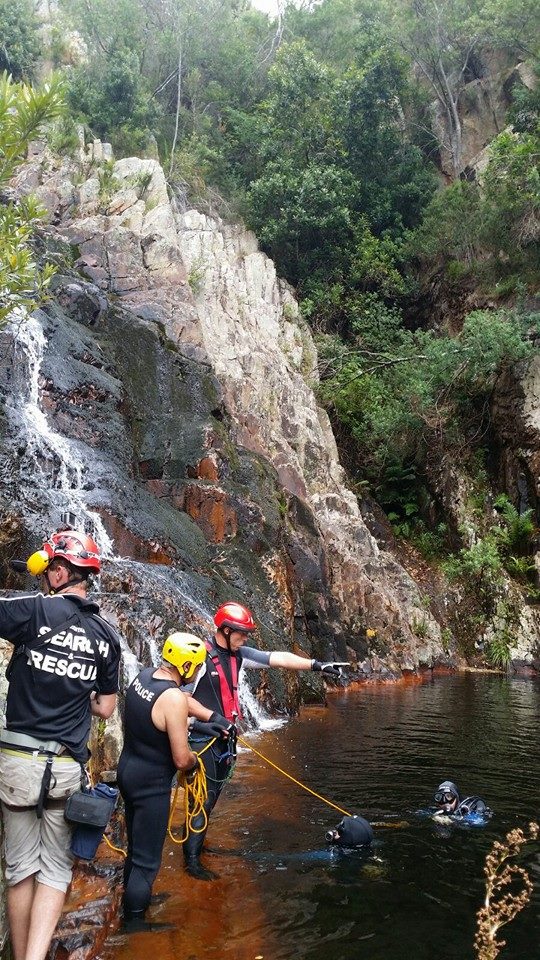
pixel 75 547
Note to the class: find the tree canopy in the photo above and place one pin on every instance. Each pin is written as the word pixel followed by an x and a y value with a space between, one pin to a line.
pixel 328 130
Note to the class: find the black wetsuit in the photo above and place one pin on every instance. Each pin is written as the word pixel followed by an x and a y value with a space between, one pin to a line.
pixel 145 772
pixel 217 759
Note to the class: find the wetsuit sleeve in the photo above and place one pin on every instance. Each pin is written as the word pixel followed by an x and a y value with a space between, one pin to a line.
pixel 253 658
pixel 15 616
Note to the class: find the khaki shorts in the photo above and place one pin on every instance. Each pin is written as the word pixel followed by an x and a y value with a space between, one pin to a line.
pixel 32 846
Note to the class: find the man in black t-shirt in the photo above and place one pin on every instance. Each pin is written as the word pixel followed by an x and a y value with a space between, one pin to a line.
pixel 63 670
pixel 216 688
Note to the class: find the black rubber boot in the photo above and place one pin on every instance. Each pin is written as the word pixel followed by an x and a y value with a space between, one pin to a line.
pixel 134 922
pixel 192 847
pixel 195 869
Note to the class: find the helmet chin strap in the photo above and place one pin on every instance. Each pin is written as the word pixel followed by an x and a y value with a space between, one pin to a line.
pixel 227 637
pixel 69 583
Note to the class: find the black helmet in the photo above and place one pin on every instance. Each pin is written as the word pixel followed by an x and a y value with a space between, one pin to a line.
pixel 351 831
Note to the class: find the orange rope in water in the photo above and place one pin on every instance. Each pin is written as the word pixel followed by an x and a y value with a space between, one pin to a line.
pixel 289 777
pixel 329 803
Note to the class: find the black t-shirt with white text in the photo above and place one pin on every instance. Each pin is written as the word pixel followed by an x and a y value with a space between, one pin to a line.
pixel 50 684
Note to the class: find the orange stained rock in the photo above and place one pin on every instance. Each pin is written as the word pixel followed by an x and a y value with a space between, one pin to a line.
pixel 207 470
pixel 212 511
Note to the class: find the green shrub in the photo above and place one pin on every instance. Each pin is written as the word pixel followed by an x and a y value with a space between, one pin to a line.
pixel 19 41
pixel 24 111
pixel 111 96
pixel 481 561
pixel 498 648
pixel 498 215
pixel 63 136
pixel 390 386
pixel 518 529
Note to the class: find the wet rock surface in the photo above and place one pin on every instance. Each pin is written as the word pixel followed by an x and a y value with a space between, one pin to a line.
pixel 91 909
pixel 175 367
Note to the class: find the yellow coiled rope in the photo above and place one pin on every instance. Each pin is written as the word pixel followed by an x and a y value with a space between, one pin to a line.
pixel 195 796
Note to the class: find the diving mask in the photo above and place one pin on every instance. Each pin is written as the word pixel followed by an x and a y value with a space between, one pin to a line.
pixel 444 797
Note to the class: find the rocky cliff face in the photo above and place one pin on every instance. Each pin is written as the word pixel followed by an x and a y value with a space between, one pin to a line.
pixel 174 368
pixel 483 107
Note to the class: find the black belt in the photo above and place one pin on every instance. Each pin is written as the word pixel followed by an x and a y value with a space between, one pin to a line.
pixel 49 804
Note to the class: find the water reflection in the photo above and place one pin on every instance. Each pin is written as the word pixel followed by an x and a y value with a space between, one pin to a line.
pixel 379 752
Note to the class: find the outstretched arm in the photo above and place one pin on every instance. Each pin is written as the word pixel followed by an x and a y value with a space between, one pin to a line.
pixel 290 661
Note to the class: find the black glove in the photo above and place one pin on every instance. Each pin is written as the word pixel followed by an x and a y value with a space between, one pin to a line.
pixel 190 774
pixel 332 669
pixel 211 728
pixel 222 721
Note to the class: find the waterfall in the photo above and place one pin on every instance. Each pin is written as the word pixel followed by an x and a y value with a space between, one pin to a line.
pixel 58 464
pixel 252 710
pixel 56 460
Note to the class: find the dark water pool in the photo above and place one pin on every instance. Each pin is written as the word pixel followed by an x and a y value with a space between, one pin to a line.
pixel 380 752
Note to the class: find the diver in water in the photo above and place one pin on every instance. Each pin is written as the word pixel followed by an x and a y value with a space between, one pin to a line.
pixel 449 804
pixel 351 831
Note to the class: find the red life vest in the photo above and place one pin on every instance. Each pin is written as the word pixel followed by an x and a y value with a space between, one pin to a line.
pixel 229 696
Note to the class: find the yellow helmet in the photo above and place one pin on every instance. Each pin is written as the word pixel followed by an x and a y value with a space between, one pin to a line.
pixel 186 652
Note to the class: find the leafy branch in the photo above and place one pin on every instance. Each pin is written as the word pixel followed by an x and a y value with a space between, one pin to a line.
pixel 24 110
pixel 508 890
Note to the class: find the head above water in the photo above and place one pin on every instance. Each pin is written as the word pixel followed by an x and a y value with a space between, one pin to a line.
pixel 447 796
pixel 351 832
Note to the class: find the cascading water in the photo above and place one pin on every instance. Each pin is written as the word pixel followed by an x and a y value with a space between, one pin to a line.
pixel 55 460
pixel 252 710
pixel 59 464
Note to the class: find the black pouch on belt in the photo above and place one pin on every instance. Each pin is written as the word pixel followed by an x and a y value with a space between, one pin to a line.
pixel 90 808
pixel 90 812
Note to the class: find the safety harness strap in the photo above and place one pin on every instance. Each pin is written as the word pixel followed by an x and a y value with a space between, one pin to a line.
pixel 229 695
pixel 29 744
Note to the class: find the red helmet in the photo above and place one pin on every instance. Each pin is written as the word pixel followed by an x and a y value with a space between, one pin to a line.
pixel 77 548
pixel 235 616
